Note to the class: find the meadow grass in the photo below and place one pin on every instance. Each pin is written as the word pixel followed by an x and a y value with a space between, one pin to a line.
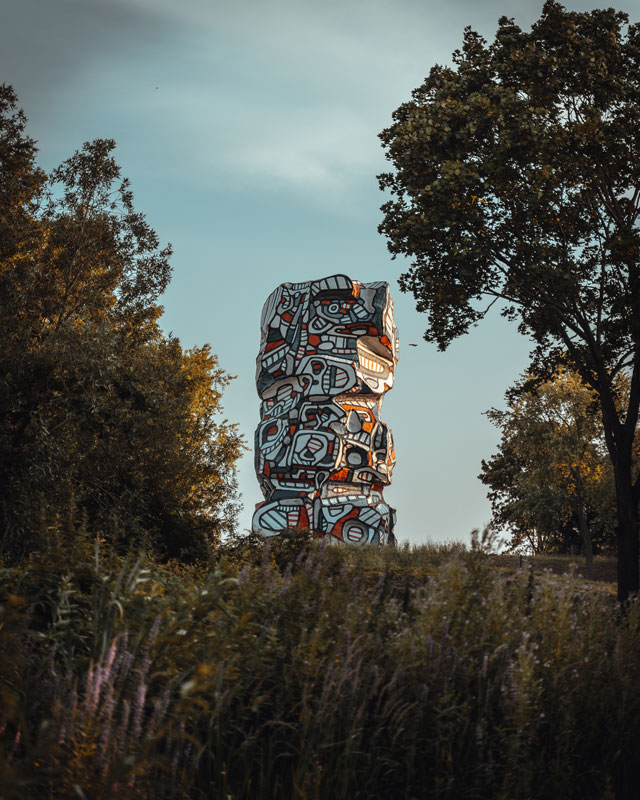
pixel 296 670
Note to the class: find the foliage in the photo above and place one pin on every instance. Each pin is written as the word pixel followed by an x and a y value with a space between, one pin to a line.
pixel 121 676
pixel 551 480
pixel 99 409
pixel 517 181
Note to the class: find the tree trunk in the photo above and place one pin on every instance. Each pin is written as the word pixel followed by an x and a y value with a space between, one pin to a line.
pixel 586 540
pixel 627 535
pixel 619 438
pixel 582 523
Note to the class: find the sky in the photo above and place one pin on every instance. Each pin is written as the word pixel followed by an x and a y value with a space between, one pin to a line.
pixel 249 132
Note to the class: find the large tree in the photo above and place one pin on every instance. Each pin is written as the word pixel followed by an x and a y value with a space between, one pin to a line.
pixel 516 181
pixel 99 409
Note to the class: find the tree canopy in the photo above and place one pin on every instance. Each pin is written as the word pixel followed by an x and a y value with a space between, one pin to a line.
pixel 516 181
pixel 99 409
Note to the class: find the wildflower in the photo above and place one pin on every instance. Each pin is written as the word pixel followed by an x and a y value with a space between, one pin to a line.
pixel 138 707
pixel 124 724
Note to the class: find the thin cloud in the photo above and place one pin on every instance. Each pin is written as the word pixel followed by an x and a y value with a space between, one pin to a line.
pixel 309 149
pixel 291 92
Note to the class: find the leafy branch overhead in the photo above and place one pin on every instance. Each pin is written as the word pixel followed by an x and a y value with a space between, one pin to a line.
pixel 520 166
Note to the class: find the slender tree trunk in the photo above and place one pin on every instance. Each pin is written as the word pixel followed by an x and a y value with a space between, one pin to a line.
pixel 586 540
pixel 619 438
pixel 627 534
pixel 583 525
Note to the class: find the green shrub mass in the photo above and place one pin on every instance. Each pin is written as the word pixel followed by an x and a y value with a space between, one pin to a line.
pixel 295 670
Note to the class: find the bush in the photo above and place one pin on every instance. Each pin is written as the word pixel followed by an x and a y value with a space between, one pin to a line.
pixel 99 409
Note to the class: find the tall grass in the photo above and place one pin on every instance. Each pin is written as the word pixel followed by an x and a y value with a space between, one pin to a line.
pixel 298 670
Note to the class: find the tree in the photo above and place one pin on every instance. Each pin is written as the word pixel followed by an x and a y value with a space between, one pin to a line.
pixel 517 182
pixel 99 409
pixel 551 480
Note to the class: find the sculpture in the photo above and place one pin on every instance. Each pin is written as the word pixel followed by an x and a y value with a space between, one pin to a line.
pixel 328 352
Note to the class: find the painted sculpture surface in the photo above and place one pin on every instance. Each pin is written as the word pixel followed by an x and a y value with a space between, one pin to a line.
pixel 328 352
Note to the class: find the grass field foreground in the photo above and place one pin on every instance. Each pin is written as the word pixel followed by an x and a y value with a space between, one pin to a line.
pixel 296 670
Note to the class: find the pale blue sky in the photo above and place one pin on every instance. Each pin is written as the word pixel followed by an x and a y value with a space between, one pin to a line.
pixel 249 132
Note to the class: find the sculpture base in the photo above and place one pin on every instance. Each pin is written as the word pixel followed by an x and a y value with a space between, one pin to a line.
pixel 362 518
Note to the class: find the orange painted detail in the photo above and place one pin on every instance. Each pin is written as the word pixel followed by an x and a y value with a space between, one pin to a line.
pixel 341 475
pixel 337 531
pixel 303 519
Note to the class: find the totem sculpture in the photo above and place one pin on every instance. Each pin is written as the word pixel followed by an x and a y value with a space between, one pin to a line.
pixel 328 352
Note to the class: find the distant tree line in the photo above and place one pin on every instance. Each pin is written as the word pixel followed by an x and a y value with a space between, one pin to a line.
pixel 103 416
pixel 551 482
